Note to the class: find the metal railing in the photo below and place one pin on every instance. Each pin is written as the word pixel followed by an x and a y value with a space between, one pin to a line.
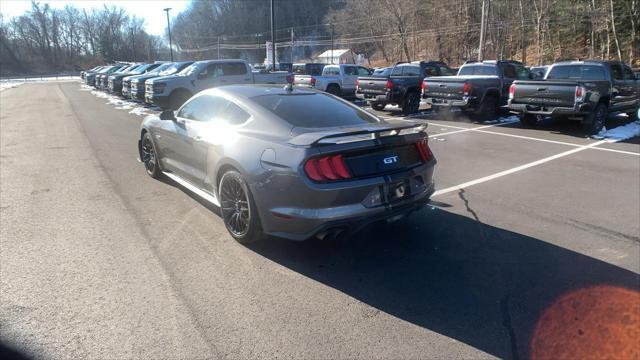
pixel 50 77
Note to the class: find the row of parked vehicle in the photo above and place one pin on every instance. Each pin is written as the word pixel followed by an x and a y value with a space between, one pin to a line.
pixel 169 85
pixel 587 91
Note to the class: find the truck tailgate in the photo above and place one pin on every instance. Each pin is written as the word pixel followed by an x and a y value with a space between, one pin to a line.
pixel 545 93
pixel 370 85
pixel 444 87
pixel 304 80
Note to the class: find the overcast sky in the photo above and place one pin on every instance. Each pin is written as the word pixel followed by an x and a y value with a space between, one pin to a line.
pixel 149 10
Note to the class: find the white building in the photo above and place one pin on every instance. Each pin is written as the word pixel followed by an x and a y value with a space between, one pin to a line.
pixel 340 56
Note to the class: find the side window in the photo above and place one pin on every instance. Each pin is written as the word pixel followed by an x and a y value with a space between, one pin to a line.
pixel 628 74
pixel 350 70
pixel 397 71
pixel 430 71
pixel 411 71
pixel 616 72
pixel 509 71
pixel 203 108
pixel 234 115
pixel 362 71
pixel 233 69
pixel 208 71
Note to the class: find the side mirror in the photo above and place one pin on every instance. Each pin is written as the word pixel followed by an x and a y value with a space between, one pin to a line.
pixel 168 115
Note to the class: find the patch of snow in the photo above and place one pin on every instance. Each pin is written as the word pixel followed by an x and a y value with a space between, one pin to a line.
pixel 4 85
pixel 503 120
pixel 122 104
pixel 619 133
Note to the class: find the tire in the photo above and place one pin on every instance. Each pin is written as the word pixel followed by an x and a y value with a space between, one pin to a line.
pixel 488 108
pixel 378 106
pixel 239 211
pixel 634 115
pixel 595 121
pixel 333 90
pixel 178 98
pixel 527 120
pixel 411 103
pixel 149 157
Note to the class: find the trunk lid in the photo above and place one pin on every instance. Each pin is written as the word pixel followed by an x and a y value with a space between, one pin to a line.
pixel 304 80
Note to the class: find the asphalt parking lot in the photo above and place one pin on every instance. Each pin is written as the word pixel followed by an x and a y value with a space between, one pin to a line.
pixel 98 260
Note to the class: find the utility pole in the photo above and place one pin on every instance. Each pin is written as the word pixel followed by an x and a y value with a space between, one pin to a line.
pixel 133 45
pixel 273 36
pixel 149 58
pixel 482 30
pixel 169 29
pixel 331 43
pixel 291 45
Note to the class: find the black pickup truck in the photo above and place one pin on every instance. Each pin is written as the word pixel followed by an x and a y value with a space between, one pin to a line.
pixel 580 90
pixel 480 87
pixel 401 87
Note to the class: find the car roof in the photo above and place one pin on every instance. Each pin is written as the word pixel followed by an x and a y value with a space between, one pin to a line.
pixel 247 91
pixel 588 62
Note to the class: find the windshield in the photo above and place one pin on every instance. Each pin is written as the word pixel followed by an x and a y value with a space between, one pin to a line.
pixel 160 68
pixel 141 69
pixel 168 69
pixel 478 70
pixel 311 110
pixel 190 69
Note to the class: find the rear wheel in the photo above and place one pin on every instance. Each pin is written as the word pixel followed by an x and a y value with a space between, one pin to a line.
pixel 527 120
pixel 411 103
pixel 595 121
pixel 634 115
pixel 238 209
pixel 149 156
pixel 333 90
pixel 488 108
pixel 378 106
pixel 178 98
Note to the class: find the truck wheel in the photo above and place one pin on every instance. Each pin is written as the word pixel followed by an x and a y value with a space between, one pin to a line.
pixel 178 98
pixel 333 90
pixel 488 108
pixel 411 103
pixel 378 106
pixel 527 120
pixel 594 122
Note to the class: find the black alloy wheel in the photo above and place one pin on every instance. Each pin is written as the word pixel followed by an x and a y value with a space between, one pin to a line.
pixel 149 156
pixel 238 208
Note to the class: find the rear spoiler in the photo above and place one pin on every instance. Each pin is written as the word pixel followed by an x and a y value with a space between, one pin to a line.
pixel 313 138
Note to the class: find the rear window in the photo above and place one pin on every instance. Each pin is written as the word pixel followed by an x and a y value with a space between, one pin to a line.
pixel 478 70
pixel 577 72
pixel 381 72
pixel 313 110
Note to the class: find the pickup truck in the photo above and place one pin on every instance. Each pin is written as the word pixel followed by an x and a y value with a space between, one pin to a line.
pixel 302 73
pixel 580 90
pixel 480 88
pixel 339 80
pixel 401 86
pixel 136 83
pixel 115 81
pixel 170 92
pixel 91 78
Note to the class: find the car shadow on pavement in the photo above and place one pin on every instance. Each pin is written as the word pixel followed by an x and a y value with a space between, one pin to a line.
pixel 473 282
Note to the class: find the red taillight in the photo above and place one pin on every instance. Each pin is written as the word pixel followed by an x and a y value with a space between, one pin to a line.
pixel 512 91
pixel 466 88
pixel 389 85
pixel 580 93
pixel 312 81
pixel 424 150
pixel 327 168
pixel 290 79
pixel 357 84
pixel 422 87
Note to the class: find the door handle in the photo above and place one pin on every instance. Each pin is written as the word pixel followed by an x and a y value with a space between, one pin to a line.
pixel 541 89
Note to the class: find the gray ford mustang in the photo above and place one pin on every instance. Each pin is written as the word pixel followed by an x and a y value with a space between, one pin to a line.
pixel 290 162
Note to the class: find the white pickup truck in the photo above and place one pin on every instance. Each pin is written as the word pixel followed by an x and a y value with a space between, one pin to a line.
pixel 338 80
pixel 170 92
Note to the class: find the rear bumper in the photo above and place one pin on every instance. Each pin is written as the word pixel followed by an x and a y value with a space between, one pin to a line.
pixel 301 223
pixel 577 109
pixel 377 98
pixel 465 103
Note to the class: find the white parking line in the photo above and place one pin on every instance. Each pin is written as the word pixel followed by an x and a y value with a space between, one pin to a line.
pixel 480 130
pixel 516 169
